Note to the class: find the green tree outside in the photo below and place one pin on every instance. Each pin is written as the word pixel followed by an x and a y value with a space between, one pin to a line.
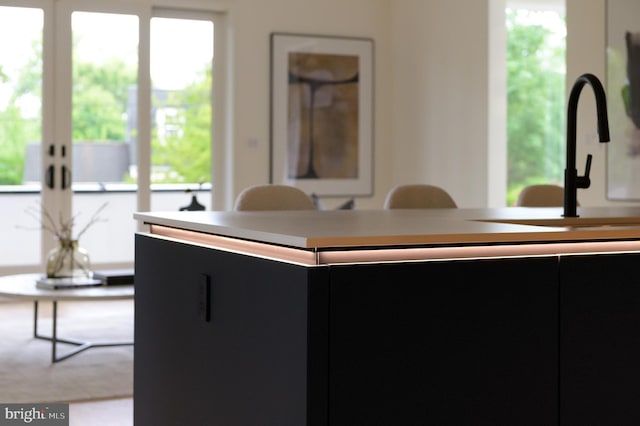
pixel 186 151
pixel 535 106
pixel 100 97
pixel 15 130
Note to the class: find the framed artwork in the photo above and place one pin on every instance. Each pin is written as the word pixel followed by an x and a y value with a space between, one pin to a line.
pixel 322 113
pixel 623 99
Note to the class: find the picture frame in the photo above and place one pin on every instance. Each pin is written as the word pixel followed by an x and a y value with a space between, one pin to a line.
pixel 623 99
pixel 322 113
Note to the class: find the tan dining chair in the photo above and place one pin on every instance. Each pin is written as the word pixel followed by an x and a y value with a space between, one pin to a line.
pixel 273 197
pixel 418 196
pixel 541 195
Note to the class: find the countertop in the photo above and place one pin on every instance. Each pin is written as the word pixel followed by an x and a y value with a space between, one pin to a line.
pixel 331 229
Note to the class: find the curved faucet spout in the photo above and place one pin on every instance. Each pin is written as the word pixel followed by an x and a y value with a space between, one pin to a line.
pixel 571 179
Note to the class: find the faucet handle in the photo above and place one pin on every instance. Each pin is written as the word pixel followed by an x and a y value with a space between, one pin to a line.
pixel 584 181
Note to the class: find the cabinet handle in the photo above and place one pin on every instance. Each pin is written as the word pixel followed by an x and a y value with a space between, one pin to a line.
pixel 204 298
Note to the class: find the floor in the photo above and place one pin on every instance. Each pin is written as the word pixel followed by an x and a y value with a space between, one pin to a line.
pixel 113 412
pixel 107 412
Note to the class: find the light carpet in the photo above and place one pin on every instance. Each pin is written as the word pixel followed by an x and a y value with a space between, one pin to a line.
pixel 27 374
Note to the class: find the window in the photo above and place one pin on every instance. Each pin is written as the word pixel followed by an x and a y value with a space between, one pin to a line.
pixel 83 124
pixel 536 69
pixel 181 100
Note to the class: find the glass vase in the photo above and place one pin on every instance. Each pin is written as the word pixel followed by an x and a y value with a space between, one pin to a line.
pixel 68 260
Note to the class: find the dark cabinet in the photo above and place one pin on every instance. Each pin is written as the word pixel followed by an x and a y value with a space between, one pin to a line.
pixel 229 339
pixel 462 342
pixel 226 339
pixel 600 339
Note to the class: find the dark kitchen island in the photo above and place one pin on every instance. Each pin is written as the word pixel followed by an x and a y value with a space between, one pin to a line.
pixel 511 316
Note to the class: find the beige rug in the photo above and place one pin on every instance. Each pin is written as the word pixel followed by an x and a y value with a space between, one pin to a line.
pixel 27 374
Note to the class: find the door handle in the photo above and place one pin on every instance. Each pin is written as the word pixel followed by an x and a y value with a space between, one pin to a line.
pixel 49 177
pixel 66 177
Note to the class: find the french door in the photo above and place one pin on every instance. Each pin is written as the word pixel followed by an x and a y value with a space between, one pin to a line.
pixel 106 109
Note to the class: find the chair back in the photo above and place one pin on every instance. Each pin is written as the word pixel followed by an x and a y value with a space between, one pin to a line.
pixel 273 197
pixel 543 195
pixel 418 196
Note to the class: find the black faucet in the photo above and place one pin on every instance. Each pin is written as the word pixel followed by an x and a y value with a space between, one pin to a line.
pixel 571 179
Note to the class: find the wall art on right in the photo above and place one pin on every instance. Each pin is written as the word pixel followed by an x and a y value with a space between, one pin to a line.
pixel 623 99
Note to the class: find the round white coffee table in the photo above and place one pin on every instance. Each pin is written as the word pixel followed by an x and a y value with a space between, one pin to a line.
pixel 23 286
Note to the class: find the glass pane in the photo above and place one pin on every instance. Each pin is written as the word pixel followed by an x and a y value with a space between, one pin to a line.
pixel 181 102
pixel 105 70
pixel 104 116
pixel 20 134
pixel 536 96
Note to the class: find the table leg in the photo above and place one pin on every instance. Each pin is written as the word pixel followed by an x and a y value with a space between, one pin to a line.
pixel 35 318
pixel 81 346
pixel 54 332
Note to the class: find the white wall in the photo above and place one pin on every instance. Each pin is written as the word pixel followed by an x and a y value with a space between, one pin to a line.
pixel 586 42
pixel 440 113
pixel 431 74
pixel 251 22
